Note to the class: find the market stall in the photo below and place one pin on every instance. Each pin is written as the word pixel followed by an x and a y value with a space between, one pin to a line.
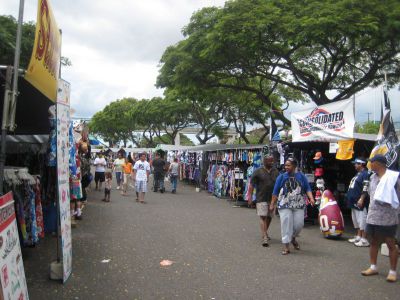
pixel 221 169
pixel 337 173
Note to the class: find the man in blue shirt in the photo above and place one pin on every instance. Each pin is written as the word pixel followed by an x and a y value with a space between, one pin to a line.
pixel 357 203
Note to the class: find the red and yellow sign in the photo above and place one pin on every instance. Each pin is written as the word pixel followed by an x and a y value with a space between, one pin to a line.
pixel 43 69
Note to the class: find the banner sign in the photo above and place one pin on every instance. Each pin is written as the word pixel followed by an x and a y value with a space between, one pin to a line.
pixel 334 121
pixel 12 274
pixel 63 92
pixel 44 66
pixel 63 146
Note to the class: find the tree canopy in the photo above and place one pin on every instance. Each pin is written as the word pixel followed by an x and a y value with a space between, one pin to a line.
pixel 145 122
pixel 368 127
pixel 322 51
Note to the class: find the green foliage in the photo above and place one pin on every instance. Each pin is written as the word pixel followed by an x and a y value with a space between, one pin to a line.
pixel 207 111
pixel 113 123
pixel 8 32
pixel 121 120
pixel 370 127
pixel 306 48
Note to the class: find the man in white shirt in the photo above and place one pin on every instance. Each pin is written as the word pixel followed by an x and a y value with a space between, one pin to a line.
pixel 100 163
pixel 141 172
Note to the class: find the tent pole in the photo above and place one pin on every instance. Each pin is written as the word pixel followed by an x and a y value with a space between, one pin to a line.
pixel 4 125
pixel 13 104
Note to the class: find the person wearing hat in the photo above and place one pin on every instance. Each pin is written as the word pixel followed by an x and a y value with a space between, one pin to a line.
pixel 382 218
pixel 357 202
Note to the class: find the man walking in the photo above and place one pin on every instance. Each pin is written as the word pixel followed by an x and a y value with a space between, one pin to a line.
pixel 382 218
pixel 159 173
pixel 355 197
pixel 99 176
pixel 141 172
pixel 174 170
pixel 264 180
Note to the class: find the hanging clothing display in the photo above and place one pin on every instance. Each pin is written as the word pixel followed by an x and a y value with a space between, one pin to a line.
pixel 345 150
pixel 28 208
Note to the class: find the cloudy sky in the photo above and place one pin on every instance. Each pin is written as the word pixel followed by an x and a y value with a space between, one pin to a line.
pixel 115 47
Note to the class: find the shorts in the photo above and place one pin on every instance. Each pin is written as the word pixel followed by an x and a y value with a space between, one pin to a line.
pixel 99 176
pixel 359 218
pixel 379 231
pixel 107 192
pixel 263 209
pixel 141 186
pixel 126 178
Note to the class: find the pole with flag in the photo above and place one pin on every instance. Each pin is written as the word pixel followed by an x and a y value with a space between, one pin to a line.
pixel 387 142
pixel 274 135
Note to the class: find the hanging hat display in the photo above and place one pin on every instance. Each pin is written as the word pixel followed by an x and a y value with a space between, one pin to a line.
pixel 319 172
pixel 318 157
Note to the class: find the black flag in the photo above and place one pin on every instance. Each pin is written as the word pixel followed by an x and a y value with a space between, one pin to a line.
pixel 274 134
pixel 387 141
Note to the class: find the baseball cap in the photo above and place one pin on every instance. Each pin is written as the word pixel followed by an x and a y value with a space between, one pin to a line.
pixel 319 172
pixel 359 160
pixel 379 158
pixel 320 183
pixel 318 155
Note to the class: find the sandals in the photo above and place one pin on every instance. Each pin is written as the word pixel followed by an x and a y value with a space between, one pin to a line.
pixel 265 242
pixel 295 245
pixel 285 252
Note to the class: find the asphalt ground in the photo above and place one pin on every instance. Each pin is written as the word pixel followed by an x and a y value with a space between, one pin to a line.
pixel 216 252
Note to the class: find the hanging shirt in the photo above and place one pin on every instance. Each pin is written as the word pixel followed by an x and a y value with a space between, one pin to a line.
pixel 346 150
pixel 141 167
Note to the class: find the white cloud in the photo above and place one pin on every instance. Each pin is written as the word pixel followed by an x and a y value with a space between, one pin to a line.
pixel 115 46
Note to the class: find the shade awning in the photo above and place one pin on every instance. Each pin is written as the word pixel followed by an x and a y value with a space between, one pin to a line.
pixel 32 108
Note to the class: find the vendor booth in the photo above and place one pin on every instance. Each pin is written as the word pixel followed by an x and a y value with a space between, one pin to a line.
pixel 38 157
pixel 318 159
pixel 221 169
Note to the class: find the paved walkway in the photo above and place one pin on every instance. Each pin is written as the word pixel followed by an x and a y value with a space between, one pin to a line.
pixel 216 254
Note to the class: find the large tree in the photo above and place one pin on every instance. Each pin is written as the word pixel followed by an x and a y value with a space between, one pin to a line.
pixel 207 111
pixel 114 123
pixel 174 115
pixel 160 118
pixel 326 50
